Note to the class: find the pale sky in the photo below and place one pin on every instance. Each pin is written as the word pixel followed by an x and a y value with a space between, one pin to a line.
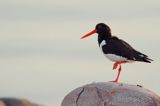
pixel 42 57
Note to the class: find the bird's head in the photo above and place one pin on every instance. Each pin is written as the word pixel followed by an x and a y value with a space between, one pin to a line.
pixel 101 29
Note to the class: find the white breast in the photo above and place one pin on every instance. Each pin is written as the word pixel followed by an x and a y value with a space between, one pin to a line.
pixel 115 58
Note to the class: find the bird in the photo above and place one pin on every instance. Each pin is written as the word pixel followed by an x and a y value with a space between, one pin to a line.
pixel 116 49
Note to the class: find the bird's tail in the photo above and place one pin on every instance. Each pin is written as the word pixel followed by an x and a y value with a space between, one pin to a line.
pixel 142 57
pixel 146 59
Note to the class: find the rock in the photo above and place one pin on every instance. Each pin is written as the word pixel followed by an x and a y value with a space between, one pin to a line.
pixel 16 102
pixel 2 103
pixel 111 94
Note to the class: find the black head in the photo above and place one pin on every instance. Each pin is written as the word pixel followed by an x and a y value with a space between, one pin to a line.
pixel 103 29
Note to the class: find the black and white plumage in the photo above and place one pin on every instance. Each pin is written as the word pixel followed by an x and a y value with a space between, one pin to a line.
pixel 115 49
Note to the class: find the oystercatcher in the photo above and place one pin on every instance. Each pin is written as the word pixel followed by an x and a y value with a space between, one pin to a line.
pixel 115 49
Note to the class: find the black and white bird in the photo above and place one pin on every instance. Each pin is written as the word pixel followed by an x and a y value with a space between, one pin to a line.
pixel 115 49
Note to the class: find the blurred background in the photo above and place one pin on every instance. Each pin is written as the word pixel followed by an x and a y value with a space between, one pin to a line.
pixel 42 57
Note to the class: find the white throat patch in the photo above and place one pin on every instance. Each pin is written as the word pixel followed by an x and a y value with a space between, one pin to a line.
pixel 102 43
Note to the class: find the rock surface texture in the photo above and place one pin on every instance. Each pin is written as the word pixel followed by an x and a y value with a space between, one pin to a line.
pixel 111 94
pixel 16 102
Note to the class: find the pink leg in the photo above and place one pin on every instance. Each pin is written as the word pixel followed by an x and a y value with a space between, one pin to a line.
pixel 119 70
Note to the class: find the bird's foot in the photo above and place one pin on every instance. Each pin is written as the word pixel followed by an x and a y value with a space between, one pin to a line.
pixel 115 65
pixel 115 81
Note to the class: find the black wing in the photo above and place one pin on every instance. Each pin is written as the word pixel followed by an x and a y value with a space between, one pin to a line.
pixel 122 48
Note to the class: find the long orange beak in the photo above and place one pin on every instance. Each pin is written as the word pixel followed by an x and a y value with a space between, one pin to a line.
pixel 88 34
